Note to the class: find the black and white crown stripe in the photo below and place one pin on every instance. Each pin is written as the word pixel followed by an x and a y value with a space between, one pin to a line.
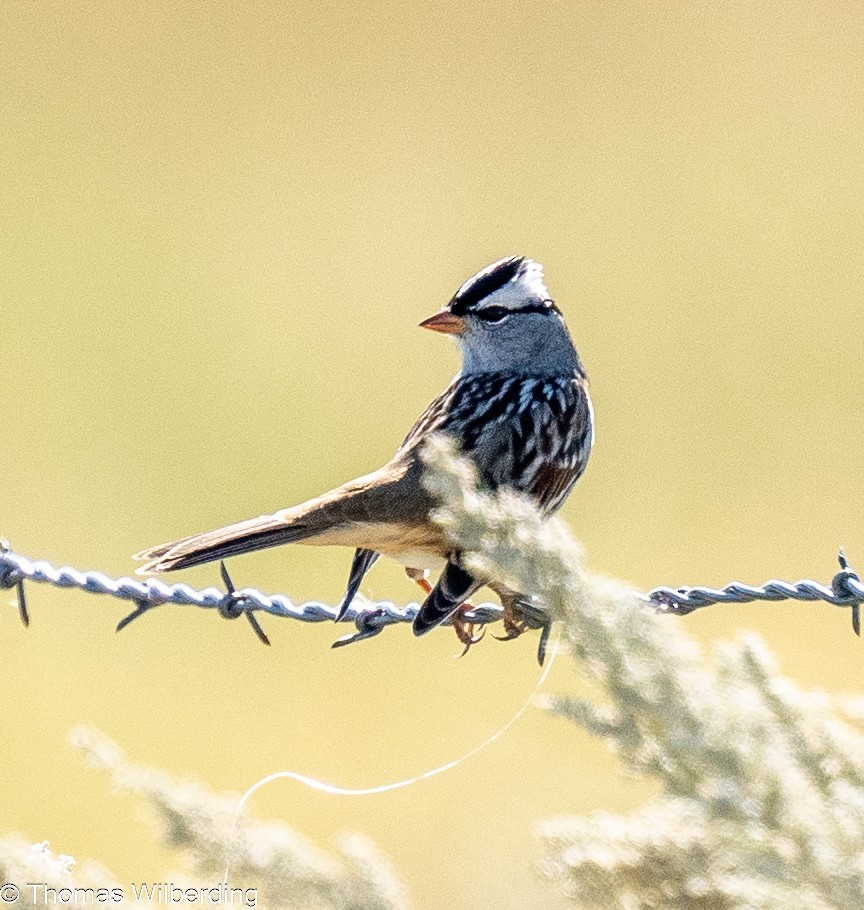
pixel 511 284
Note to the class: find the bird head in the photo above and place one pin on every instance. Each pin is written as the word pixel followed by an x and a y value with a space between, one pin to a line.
pixel 503 319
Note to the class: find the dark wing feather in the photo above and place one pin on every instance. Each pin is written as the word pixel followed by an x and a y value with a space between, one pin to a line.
pixel 360 565
pixel 454 587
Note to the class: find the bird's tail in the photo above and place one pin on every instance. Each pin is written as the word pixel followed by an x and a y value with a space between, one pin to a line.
pixel 243 537
pixel 331 518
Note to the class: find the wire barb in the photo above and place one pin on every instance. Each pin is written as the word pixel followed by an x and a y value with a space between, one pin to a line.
pixel 841 584
pixel 232 606
pixel 9 578
pixel 845 590
pixel 139 610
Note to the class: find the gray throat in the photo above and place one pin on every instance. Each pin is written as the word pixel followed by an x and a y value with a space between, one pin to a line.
pixel 546 351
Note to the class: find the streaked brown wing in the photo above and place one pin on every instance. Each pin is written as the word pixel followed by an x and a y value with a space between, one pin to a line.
pixel 568 442
pixel 552 483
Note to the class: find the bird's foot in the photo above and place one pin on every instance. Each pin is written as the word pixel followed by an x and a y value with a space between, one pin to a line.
pixel 513 628
pixel 514 618
pixel 466 632
pixel 521 613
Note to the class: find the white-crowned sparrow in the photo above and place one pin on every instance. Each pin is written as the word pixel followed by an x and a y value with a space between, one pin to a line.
pixel 520 409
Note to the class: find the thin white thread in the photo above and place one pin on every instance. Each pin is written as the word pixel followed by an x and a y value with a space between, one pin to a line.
pixel 324 787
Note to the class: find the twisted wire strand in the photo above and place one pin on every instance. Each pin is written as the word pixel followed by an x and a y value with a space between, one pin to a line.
pixel 845 590
pixel 368 618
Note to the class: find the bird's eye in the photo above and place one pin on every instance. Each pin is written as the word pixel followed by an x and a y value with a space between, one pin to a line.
pixel 493 314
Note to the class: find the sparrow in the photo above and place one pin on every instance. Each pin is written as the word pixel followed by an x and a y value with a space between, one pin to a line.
pixel 520 409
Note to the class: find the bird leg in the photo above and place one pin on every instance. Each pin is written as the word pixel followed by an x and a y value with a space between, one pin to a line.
pixel 464 630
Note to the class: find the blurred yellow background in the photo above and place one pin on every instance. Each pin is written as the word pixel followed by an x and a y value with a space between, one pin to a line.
pixel 219 226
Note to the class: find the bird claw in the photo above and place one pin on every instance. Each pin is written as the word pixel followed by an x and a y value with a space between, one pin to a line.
pixel 514 628
pixel 520 615
pixel 465 631
pixel 511 634
pixel 515 621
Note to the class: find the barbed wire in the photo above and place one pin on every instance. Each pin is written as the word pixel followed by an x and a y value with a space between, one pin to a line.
pixel 369 619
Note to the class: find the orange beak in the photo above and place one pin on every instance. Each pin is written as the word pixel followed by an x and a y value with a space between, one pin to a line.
pixel 444 321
